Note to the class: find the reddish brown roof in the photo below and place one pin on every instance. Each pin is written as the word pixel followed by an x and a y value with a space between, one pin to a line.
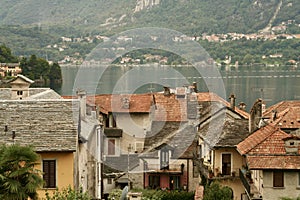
pixel 288 118
pixel 274 162
pixel 265 149
pixel 165 107
pixel 209 96
pixel 138 103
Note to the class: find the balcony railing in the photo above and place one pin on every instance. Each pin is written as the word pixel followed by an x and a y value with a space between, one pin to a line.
pixel 176 168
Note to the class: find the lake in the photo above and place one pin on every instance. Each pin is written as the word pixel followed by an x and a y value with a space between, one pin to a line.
pixel 272 86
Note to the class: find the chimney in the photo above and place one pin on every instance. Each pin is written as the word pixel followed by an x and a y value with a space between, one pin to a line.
pixel 125 103
pixel 255 116
pixel 232 101
pixel 167 91
pixel 242 106
pixel 195 87
pixel 82 99
pixel 274 115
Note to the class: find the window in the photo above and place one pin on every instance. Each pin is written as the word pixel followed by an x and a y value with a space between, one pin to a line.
pixel 278 177
pixel 154 182
pixel 164 159
pixel 111 147
pixel 109 181
pixel 226 164
pixel 19 92
pixel 49 173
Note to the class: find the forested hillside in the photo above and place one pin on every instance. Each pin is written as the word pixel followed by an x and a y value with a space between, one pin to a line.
pixel 28 27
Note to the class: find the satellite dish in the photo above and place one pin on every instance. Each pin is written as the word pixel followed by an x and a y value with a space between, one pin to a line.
pixel 124 193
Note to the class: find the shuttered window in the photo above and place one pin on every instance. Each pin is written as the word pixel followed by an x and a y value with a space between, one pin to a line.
pixel 111 147
pixel 278 178
pixel 49 173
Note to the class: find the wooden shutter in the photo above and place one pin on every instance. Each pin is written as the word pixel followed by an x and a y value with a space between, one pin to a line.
pixel 278 179
pixel 49 169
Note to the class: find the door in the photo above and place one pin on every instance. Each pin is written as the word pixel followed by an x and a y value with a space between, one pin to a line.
pixel 226 164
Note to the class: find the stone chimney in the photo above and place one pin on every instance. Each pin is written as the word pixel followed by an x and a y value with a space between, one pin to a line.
pixel 167 91
pixel 242 106
pixel 125 103
pixel 232 101
pixel 255 115
pixel 82 98
pixel 195 87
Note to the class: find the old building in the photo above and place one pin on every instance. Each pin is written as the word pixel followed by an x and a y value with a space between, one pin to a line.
pixel 221 128
pixel 64 132
pixel 273 164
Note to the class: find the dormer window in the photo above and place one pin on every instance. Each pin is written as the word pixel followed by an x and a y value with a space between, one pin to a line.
pixel 164 159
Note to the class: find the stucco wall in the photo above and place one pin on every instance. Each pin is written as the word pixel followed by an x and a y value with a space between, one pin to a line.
pixel 134 124
pixel 291 188
pixel 236 163
pixel 236 159
pixel 64 170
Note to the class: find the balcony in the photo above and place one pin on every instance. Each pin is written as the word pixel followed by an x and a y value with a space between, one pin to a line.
pixel 173 168
pixel 250 189
pixel 234 174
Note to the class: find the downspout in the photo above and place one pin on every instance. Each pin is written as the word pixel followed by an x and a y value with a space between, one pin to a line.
pixel 188 173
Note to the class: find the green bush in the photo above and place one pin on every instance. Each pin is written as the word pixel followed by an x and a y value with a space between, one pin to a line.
pixel 68 194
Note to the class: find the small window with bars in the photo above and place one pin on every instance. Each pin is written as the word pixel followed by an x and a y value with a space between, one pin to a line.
pixel 49 173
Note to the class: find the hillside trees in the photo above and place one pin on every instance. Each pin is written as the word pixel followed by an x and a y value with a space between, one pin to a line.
pixel 6 55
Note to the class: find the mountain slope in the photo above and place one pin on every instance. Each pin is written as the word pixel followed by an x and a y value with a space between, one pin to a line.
pixel 188 16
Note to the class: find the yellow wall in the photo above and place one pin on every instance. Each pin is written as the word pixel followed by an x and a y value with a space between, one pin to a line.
pixel 64 170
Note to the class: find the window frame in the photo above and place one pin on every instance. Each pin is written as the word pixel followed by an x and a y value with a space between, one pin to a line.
pixel 47 175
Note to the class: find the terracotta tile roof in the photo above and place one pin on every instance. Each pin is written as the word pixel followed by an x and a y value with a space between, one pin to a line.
pixel 164 107
pixel 258 137
pixel 212 97
pixel 279 107
pixel 265 149
pixel 274 162
pixel 138 103
pixel 288 118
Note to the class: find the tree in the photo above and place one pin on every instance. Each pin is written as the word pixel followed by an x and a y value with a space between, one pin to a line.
pixel 19 180
pixel 216 191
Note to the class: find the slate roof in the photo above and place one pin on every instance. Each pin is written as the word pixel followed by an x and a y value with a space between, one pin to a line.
pixel 179 136
pixel 223 128
pixel 120 163
pixel 265 149
pixel 34 93
pixel 45 124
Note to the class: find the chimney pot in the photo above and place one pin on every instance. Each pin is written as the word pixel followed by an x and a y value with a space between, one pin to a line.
pixel 232 101
pixel 167 91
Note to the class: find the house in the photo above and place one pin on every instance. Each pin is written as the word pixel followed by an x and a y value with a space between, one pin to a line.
pixel 65 132
pixel 10 69
pixel 273 163
pixel 41 118
pixel 170 145
pixel 125 120
pixel 271 153
pixel 220 129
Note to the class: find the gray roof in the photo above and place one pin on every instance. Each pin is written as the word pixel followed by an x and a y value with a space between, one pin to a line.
pixel 48 125
pixel 224 129
pixel 34 93
pixel 177 135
